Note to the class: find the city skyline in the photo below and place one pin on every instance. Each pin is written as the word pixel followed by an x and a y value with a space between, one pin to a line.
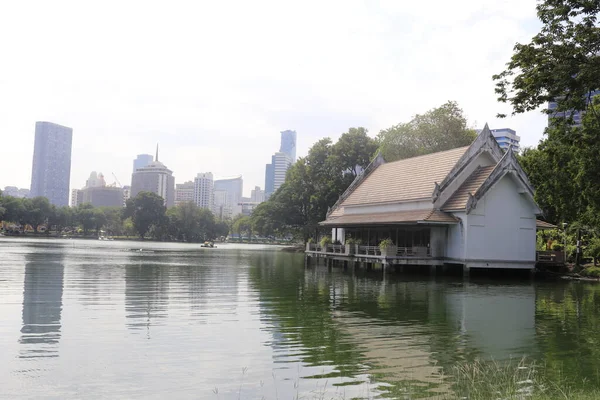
pixel 206 114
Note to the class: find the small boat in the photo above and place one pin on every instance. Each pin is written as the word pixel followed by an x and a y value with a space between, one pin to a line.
pixel 208 244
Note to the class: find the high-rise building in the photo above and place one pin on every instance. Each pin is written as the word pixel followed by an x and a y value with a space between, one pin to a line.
pixel 280 162
pixel 269 179
pixel 95 180
pixel 51 171
pixel 227 196
pixel 76 197
pixel 506 138
pixel 288 144
pixel 257 195
pixel 203 190
pixel 97 193
pixel 184 192
pixel 141 161
pixel 577 115
pixel 14 191
pixel 126 194
pixel 155 178
pixel 103 196
pixel 276 171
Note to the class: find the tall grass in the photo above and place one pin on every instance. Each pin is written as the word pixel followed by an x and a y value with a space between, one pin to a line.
pixel 476 380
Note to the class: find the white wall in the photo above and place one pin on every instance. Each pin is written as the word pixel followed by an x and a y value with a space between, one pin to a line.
pixel 455 239
pixel 502 225
pixel 437 241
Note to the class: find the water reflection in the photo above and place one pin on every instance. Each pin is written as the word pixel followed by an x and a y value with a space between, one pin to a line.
pixel 42 305
pixel 146 296
pixel 398 333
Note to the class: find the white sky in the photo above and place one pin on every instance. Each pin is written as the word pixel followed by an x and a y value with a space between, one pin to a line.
pixel 214 82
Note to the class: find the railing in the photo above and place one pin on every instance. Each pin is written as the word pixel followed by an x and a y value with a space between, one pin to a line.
pixel 415 251
pixel 550 256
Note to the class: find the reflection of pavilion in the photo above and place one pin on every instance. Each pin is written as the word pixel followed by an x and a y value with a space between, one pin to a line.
pixel 497 321
pixel 42 306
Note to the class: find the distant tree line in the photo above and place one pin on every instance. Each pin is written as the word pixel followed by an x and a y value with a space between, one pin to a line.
pixel 144 216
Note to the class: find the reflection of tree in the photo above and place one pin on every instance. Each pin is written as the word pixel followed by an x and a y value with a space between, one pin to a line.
pixel 399 329
pixel 301 311
pixel 146 295
pixel 42 304
pixel 568 330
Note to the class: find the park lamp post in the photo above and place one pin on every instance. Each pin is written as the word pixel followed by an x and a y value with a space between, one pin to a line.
pixel 564 225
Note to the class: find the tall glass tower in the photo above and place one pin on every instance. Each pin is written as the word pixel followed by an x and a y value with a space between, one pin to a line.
pixel 51 171
pixel 288 144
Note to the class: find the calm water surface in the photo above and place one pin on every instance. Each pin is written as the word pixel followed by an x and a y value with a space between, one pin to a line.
pixel 98 320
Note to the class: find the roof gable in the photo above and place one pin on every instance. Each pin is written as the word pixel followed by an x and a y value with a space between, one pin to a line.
pixel 507 165
pixel 460 198
pixel 485 142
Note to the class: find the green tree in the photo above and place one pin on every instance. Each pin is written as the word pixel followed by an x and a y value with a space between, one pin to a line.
pixel 146 210
pixel 354 150
pixel 190 223
pixel 439 129
pixel 562 62
pixel 243 226
pixel 313 184
pixel 85 217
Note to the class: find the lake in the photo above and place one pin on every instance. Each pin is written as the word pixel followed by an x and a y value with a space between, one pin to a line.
pixel 100 319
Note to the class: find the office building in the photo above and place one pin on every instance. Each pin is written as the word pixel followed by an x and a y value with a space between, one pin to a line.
pixel 288 144
pixel 280 162
pixel 506 138
pixel 126 194
pixel 103 196
pixel 577 115
pixel 257 195
pixel 155 178
pixel 275 172
pixel 203 190
pixel 141 161
pixel 269 179
pixel 14 191
pixel 184 193
pixel 76 197
pixel 95 180
pixel 227 196
pixel 51 170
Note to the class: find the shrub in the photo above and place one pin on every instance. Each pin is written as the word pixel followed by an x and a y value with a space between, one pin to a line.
pixel 593 272
pixel 310 240
pixel 385 243
pixel 352 242
pixel 557 246
pixel 325 240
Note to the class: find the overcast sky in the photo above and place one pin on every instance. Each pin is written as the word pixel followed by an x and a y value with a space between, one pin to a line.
pixel 214 82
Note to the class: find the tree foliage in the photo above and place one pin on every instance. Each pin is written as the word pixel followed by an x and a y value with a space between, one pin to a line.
pixel 146 210
pixel 439 129
pixel 565 172
pixel 562 62
pixel 313 184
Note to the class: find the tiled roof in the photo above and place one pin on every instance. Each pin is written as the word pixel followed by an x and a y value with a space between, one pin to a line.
pixel 458 201
pixel 544 225
pixel 414 216
pixel 409 179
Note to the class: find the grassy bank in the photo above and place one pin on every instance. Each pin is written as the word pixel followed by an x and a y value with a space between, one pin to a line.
pixel 477 380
